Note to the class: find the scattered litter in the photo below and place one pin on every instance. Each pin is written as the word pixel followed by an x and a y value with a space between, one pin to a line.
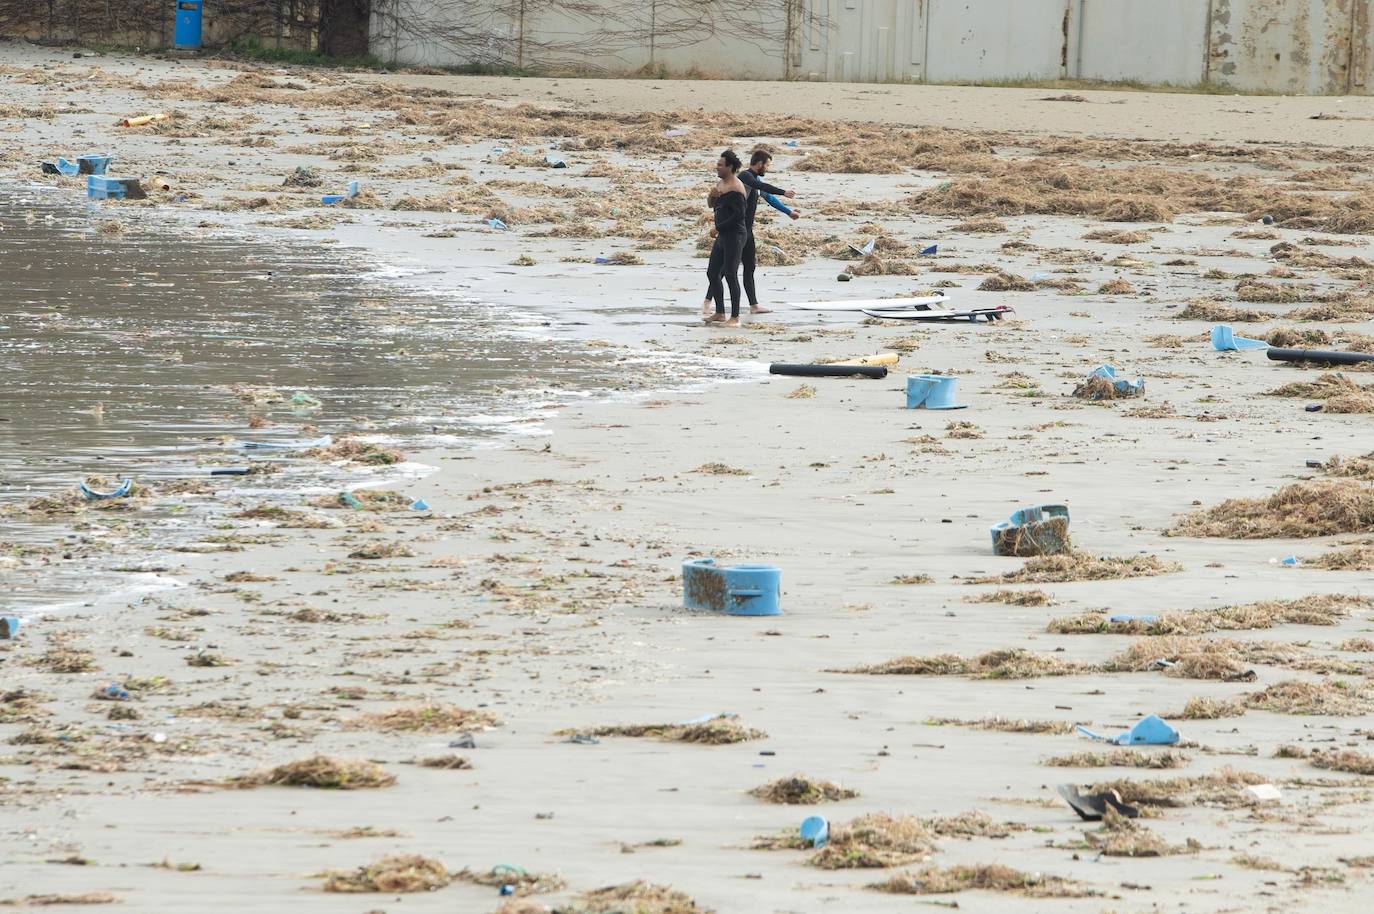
pixel 815 830
pixel 1038 530
pixel 1325 356
pixel 1224 339
pixel 866 250
pixel 287 444
pixel 583 739
pixel 9 627
pixel 349 500
pixel 354 188
pixel 1263 793
pixel 498 224
pixel 932 391
pixel 120 491
pixel 419 504
pixel 101 187
pixel 829 371
pixel 112 692
pixel 930 251
pixel 554 161
pixel 1103 384
pixel 1150 731
pixel 1092 807
pixel 302 399
pixel 465 741
pixel 143 120
pixel 736 590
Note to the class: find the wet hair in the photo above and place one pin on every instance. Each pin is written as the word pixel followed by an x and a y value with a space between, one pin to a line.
pixel 732 160
pixel 760 155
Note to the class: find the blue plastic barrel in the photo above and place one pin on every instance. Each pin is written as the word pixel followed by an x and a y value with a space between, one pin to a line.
pixel 188 24
pixel 736 590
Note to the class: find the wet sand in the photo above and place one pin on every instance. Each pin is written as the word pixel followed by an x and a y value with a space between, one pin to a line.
pixel 543 588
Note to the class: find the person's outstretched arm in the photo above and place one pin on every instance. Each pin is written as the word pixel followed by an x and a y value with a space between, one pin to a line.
pixel 754 182
pixel 779 205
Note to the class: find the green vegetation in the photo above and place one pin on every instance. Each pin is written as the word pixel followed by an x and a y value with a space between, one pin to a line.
pixel 252 48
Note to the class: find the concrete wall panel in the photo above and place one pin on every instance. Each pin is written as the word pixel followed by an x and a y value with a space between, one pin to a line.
pixel 1298 46
pixel 1156 41
pixel 995 39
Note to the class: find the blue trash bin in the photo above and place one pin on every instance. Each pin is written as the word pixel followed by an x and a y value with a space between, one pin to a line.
pixel 736 590
pixel 188 24
pixel 1037 530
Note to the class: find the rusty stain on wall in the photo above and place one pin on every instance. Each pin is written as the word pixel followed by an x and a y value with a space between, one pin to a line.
pixel 1299 46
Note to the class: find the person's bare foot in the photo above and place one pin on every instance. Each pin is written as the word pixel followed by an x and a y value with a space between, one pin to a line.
pixel 732 322
pixel 715 318
pixel 760 309
pixel 706 307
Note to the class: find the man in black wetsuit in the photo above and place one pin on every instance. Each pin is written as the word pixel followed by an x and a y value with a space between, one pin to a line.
pixel 752 178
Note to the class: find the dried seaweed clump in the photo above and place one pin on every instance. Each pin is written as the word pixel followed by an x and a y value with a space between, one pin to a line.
pixel 355 450
pixel 1209 709
pixel 717 731
pixel 67 660
pixel 1123 837
pixel 1005 724
pixel 1303 509
pixel 638 897
pixel 400 873
pixel 1119 758
pixel 1361 467
pixel 1357 557
pixel 523 883
pixel 1338 393
pixel 1317 609
pixel 800 790
pixel 1343 760
pixel 988 877
pixel 720 469
pixel 380 550
pixel 1081 566
pixel 324 772
pixel 980 225
pixel 1116 287
pixel 1012 597
pixel 445 762
pixel 875 841
pixel 1011 663
pixel 1329 697
pixel 1215 312
pixel 1185 657
pixel 425 719
pixel 1006 282
pixel 1223 787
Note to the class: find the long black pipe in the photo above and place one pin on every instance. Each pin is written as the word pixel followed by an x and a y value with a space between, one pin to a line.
pixel 1320 355
pixel 829 371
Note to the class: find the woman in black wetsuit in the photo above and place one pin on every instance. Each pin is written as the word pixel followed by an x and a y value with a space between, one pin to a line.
pixel 728 198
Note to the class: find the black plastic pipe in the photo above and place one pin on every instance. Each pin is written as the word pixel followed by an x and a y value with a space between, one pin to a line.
pixel 1320 355
pixel 829 371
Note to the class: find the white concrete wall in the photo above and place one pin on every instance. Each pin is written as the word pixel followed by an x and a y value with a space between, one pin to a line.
pixel 1155 41
pixel 994 39
pixel 1308 46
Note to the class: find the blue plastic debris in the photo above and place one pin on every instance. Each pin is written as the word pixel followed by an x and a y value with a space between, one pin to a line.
pixel 1124 387
pixel 933 249
pixel 352 190
pixel 287 444
pixel 119 491
pixel 348 500
pixel 1150 731
pixel 1291 561
pixel 793 143
pixel 736 590
pixel 1038 530
pixel 61 167
pixel 600 259
pixel 419 504
pixel 114 692
pixel 1124 618
pixel 499 225
pixel 932 391
pixel 816 830
pixel 508 889
pixel 94 164
pixel 332 199
pixel 1224 339
pixel 301 398
pixel 101 187
pixel 9 627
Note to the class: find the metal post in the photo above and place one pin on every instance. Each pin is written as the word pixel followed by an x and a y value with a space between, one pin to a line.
pixel 653 31
pixel 520 48
pixel 1207 47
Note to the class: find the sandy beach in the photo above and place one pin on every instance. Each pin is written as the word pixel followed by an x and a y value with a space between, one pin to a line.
pixel 473 662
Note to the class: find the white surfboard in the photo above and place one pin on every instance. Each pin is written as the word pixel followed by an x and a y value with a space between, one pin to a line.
pixel 945 314
pixel 872 304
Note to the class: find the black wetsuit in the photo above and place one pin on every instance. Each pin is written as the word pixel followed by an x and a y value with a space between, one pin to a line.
pixel 731 234
pixel 756 186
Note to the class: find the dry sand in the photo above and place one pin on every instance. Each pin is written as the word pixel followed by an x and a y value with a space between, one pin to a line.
pixel 543 593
